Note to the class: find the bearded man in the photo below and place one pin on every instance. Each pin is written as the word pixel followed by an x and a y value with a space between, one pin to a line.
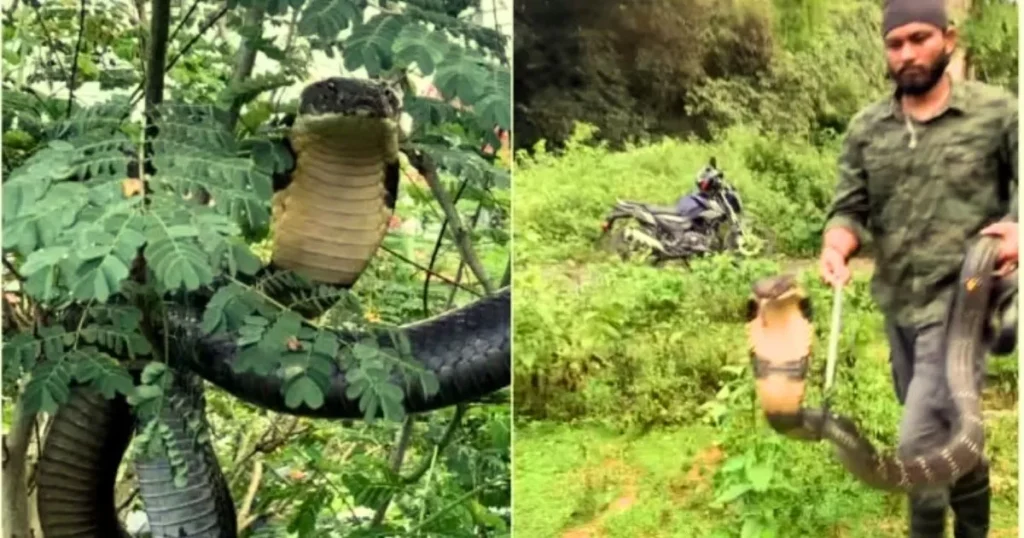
pixel 921 172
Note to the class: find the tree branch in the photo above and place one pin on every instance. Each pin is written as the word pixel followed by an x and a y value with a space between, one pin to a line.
pixel 128 501
pixel 158 31
pixel 245 62
pixel 268 442
pixel 396 465
pixel 438 275
pixel 473 221
pixel 207 24
pixel 13 271
pixel 74 58
pixel 15 516
pixel 437 250
pixel 506 280
pixel 244 519
pixel 50 41
pixel 183 20
pixel 446 439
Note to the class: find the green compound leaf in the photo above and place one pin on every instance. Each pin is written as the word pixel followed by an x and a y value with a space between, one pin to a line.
pixel 302 389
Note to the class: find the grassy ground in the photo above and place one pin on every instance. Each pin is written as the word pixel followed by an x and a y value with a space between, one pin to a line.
pixel 584 480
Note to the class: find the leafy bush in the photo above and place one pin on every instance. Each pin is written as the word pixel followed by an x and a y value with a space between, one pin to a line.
pixel 786 187
pixel 688 67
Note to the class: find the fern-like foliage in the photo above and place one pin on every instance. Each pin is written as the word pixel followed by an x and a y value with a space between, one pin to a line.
pixel 100 251
pixel 82 234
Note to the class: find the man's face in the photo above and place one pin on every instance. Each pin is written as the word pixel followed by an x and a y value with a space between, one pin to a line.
pixel 917 54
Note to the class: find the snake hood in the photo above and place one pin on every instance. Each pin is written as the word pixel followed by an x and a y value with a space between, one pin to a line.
pixel 780 334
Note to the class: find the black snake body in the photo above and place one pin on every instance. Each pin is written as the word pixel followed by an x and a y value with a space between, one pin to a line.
pixel 780 334
pixel 330 215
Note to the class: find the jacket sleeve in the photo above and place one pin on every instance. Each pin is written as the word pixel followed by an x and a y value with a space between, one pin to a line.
pixel 849 207
pixel 1009 158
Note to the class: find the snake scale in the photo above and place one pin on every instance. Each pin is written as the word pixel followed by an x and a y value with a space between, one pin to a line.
pixel 780 334
pixel 329 216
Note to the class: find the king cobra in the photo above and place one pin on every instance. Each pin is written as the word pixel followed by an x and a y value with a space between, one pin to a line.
pixel 780 334
pixel 330 214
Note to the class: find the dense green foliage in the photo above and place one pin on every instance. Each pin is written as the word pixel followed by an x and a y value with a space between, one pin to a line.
pixel 79 246
pixel 688 67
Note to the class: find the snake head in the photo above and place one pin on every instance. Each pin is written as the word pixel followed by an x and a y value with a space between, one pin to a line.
pixel 779 290
pixel 775 287
pixel 350 97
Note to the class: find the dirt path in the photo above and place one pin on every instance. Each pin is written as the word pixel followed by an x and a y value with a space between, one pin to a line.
pixel 594 528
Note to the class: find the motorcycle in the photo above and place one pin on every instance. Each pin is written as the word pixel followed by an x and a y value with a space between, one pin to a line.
pixel 706 221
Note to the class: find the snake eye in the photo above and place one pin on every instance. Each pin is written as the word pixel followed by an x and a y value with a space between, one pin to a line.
pixel 805 308
pixel 751 310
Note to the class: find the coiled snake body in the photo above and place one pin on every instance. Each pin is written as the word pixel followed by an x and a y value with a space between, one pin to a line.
pixel 780 334
pixel 329 216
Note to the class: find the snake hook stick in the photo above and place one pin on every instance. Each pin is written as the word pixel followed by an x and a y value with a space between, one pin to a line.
pixel 780 333
pixel 833 342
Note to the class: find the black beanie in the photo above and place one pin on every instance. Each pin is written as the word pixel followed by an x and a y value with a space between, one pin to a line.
pixel 899 12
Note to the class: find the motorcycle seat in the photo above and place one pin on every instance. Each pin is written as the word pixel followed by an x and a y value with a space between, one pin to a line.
pixel 660 209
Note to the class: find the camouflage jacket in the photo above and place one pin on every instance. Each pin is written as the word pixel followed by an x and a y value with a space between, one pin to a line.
pixel 921 191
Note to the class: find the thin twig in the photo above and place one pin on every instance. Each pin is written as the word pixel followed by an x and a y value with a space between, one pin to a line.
pixel 244 518
pixel 74 58
pixel 422 162
pixel 268 443
pixel 396 465
pixel 207 24
pixel 473 221
pixel 13 271
pixel 183 20
pixel 437 249
pixel 462 498
pixel 127 502
pixel 422 268
pixel 446 439
pixel 49 39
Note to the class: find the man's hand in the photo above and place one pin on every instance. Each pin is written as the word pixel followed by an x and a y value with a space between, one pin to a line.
pixel 1008 246
pixel 833 267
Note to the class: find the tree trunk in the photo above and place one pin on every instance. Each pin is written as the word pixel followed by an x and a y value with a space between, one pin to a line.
pixel 14 516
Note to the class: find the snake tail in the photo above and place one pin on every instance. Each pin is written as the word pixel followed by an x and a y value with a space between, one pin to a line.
pixel 78 466
pixel 201 507
pixel 780 334
pixel 84 448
